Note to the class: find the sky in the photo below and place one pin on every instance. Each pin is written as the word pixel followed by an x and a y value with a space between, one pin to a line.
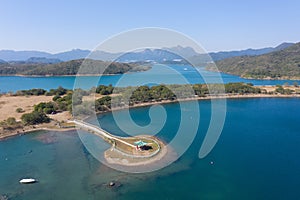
pixel 58 25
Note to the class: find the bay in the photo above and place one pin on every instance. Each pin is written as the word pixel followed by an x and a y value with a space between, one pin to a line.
pixel 256 157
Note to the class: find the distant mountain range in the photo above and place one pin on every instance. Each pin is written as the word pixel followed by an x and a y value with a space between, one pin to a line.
pixel 10 55
pixel 158 55
pixel 281 62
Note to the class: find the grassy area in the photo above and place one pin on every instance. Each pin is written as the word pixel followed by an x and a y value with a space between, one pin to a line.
pixel 132 150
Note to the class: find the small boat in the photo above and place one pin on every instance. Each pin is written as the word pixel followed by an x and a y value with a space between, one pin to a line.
pixel 27 180
pixel 185 69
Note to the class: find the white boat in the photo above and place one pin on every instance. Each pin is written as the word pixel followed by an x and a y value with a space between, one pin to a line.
pixel 185 69
pixel 27 180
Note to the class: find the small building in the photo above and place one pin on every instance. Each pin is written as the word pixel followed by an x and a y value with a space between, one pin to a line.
pixel 139 144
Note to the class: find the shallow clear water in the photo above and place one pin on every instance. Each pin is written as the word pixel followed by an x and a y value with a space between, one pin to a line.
pixel 257 157
pixel 156 75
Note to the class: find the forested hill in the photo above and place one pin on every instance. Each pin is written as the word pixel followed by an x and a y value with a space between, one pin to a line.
pixel 284 64
pixel 67 68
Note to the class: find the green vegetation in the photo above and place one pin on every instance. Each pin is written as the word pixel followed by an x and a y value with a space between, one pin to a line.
pixel 19 110
pixel 60 103
pixel 10 124
pixel 64 103
pixel 241 88
pixel 35 92
pixel 47 108
pixel 59 91
pixel 103 104
pixel 281 90
pixel 104 90
pixel 67 100
pixel 69 68
pixel 275 65
pixel 35 117
pixel 144 94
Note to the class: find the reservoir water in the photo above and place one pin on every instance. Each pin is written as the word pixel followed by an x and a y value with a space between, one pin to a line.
pixel 256 157
pixel 156 75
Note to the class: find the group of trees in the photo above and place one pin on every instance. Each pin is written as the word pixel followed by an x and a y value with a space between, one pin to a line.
pixel 103 104
pixel 67 100
pixel 104 90
pixel 59 103
pixel 142 94
pixel 241 88
pixel 35 117
pixel 37 92
pixel 281 90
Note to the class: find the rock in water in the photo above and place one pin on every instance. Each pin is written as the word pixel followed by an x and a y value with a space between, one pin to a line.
pixel 111 184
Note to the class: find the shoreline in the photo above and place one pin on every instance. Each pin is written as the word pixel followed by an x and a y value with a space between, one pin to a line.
pixel 73 75
pixel 283 78
pixel 231 96
pixel 45 127
pixel 32 130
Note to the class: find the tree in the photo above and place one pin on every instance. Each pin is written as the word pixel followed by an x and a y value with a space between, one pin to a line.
pixel 105 90
pixel 103 103
pixel 47 108
pixel 35 117
pixel 11 121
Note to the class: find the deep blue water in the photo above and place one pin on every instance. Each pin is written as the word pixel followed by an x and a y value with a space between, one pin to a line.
pixel 156 75
pixel 256 157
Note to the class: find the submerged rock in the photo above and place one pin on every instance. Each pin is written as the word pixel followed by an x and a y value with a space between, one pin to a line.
pixel 111 184
pixel 114 184
pixel 4 197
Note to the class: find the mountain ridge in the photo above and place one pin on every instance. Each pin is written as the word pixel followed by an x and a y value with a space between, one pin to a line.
pixel 187 52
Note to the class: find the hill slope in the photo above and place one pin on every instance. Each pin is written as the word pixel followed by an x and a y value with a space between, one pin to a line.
pixel 283 64
pixel 67 68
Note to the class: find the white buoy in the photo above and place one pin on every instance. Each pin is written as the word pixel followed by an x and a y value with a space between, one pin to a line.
pixel 27 180
pixel 211 162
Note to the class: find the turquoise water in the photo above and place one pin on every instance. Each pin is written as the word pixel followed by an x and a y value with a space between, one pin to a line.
pixel 256 157
pixel 13 83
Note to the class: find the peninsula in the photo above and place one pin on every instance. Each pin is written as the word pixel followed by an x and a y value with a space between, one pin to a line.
pixel 38 109
pixel 18 111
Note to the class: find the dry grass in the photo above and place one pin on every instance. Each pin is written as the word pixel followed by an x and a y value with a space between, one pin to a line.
pixel 271 88
pixel 9 104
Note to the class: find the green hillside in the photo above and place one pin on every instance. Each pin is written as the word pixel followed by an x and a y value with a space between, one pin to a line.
pixel 68 68
pixel 284 64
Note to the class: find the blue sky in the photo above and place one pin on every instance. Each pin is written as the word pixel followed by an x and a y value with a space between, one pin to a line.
pixel 58 25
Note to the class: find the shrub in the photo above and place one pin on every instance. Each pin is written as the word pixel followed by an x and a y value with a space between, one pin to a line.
pixel 35 117
pixel 19 110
